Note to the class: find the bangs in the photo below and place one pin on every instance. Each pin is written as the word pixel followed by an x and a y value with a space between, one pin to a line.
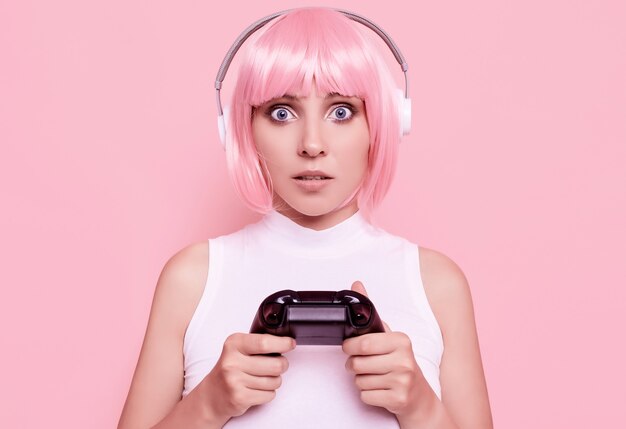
pixel 293 54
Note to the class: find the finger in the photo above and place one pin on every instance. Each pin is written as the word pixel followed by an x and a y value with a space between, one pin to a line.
pixel 357 286
pixel 258 397
pixel 254 344
pixel 264 365
pixel 262 383
pixel 370 344
pixel 377 398
pixel 372 382
pixel 380 364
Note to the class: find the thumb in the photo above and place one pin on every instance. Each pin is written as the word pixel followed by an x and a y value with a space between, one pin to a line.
pixel 357 286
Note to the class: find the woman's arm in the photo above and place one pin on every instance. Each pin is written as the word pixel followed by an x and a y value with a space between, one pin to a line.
pixel 242 377
pixel 463 387
pixel 157 384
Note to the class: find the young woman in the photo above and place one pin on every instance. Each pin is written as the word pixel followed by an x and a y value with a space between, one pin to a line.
pixel 312 143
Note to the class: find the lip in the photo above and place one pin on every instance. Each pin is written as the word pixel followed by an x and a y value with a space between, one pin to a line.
pixel 312 185
pixel 312 173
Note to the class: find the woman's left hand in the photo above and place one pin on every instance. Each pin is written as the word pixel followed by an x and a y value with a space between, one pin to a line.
pixel 386 372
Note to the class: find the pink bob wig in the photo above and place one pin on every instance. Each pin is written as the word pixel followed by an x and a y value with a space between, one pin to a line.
pixel 302 47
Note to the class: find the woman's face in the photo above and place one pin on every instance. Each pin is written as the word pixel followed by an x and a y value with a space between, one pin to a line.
pixel 316 150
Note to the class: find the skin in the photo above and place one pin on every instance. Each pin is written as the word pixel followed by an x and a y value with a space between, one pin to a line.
pixel 319 132
pixel 388 376
pixel 306 134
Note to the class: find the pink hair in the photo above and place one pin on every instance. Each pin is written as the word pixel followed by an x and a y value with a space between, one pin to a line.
pixel 302 46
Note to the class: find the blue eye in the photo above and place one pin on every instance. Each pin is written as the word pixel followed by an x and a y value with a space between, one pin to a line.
pixel 342 113
pixel 280 114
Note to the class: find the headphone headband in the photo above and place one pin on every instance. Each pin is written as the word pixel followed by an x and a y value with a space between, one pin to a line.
pixel 252 28
pixel 404 102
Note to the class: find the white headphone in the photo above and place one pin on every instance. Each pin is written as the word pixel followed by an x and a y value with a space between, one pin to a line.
pixel 403 95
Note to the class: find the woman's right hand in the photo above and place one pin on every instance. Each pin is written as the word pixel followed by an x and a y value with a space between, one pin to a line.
pixel 245 375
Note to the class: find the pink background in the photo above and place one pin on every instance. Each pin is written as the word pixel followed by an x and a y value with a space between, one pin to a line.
pixel 516 169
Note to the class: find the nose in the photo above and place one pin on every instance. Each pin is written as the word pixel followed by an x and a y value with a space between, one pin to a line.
pixel 312 141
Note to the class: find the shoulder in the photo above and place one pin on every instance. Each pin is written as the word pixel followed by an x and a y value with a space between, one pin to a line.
pixel 440 274
pixel 181 284
pixel 187 264
pixel 446 288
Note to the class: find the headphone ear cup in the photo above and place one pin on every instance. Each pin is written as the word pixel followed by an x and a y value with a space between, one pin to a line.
pixel 222 125
pixel 404 110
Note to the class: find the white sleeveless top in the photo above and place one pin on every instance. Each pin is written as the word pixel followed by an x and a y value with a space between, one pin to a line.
pixel 276 253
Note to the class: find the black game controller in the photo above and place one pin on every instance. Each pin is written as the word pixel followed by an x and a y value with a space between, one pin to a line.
pixel 317 317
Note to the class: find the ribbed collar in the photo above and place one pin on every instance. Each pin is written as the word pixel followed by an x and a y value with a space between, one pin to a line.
pixel 342 238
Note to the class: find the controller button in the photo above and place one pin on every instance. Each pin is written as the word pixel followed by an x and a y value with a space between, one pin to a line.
pixel 360 313
pixel 288 299
pixel 273 313
pixel 345 297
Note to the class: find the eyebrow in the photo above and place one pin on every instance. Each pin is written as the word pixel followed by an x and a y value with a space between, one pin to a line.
pixel 329 95
pixel 334 94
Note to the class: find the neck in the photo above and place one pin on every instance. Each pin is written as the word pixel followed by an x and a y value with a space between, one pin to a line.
pixel 319 222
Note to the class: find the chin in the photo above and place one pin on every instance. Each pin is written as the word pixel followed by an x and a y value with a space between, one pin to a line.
pixel 313 208
pixel 312 205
